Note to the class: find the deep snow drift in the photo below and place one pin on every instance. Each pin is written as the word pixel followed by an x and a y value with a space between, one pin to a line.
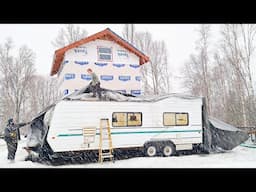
pixel 239 157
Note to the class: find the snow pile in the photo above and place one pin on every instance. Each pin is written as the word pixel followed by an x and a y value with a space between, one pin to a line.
pixel 240 157
pixel 19 159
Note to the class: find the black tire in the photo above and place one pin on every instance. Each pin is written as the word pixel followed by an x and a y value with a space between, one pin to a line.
pixel 151 149
pixel 168 149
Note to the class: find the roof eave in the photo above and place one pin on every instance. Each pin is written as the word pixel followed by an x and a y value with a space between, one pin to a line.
pixel 58 56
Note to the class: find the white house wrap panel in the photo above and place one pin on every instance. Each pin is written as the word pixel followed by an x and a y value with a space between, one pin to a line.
pixel 120 70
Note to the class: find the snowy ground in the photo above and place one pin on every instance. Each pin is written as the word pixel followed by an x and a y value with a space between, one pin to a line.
pixel 240 157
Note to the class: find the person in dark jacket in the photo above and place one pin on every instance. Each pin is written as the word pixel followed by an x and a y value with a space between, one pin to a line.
pixel 95 83
pixel 11 137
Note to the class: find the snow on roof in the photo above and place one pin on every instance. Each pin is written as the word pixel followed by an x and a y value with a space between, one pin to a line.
pixel 110 95
pixel 84 94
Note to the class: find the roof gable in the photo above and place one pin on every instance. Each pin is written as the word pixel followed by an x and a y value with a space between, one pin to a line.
pixel 106 34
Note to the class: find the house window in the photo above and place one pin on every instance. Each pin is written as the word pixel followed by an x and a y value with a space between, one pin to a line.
pixel 126 119
pixel 122 53
pixel 105 53
pixel 175 119
pixel 69 76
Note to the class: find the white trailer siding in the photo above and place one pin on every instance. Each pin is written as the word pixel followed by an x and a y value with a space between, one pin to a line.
pixel 65 133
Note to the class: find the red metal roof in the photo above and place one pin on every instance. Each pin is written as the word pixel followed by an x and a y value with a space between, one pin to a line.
pixel 106 34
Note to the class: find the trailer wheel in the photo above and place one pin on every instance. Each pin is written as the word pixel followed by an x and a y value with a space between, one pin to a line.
pixel 150 150
pixel 168 150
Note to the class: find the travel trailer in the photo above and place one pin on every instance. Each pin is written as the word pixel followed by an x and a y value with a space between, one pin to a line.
pixel 159 125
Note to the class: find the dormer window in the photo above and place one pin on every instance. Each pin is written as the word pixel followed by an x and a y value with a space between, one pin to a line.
pixel 104 54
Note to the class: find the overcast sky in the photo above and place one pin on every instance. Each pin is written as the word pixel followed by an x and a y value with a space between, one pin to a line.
pixel 180 40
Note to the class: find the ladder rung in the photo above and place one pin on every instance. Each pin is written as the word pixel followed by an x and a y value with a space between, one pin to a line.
pixel 105 140
pixel 107 155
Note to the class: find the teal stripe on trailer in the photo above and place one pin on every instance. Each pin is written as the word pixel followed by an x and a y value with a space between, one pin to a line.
pixel 248 145
pixel 135 132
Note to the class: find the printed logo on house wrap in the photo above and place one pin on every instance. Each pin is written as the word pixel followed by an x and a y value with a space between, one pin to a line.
pixel 86 77
pixel 82 62
pixel 80 50
pixel 65 62
pixel 124 78
pixel 134 66
pixel 138 78
pixel 118 65
pixel 101 64
pixel 122 53
pixel 69 76
pixel 107 77
pixel 135 92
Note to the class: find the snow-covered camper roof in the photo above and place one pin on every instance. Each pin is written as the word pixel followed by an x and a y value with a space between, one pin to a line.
pixel 110 95
pixel 85 94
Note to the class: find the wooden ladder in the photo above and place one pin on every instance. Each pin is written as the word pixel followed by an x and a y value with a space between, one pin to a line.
pixel 105 139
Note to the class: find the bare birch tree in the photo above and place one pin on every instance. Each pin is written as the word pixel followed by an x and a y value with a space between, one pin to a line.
pixel 42 92
pixel 230 77
pixel 143 43
pixel 238 47
pixel 155 74
pixel 224 97
pixel 159 67
pixel 16 74
pixel 197 70
pixel 69 34
pixel 129 33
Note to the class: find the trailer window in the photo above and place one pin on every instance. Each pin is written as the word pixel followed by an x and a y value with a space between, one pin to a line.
pixel 134 119
pixel 181 118
pixel 175 119
pixel 169 119
pixel 119 119
pixel 124 119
